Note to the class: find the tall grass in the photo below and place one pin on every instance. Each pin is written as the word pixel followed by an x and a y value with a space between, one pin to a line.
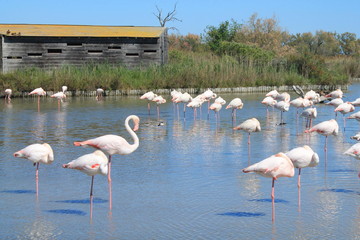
pixel 184 70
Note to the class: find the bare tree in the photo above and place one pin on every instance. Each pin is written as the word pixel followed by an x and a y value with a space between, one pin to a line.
pixel 169 17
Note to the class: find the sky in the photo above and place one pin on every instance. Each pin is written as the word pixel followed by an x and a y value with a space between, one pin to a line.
pixel 294 16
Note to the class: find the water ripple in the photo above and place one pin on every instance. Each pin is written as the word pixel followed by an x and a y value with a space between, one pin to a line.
pixel 67 211
pixel 242 214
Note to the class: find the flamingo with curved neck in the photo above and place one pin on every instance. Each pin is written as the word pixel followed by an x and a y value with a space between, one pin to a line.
pixel 113 144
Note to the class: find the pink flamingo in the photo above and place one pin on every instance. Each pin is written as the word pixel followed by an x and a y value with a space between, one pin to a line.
pixel 268 102
pixel 335 103
pixel 354 151
pixel 303 157
pixel 99 94
pixel 355 116
pixel 208 95
pixel 276 166
pixel 234 104
pixel 37 153
pixel 113 144
pixel 345 108
pixel 60 96
pixel 159 100
pixel 39 92
pixel 356 103
pixel 273 94
pixel 335 94
pixel 8 93
pixel 90 164
pixel 283 106
pixel 216 107
pixel 312 96
pixel 309 114
pixel 195 103
pixel 183 98
pixel 325 128
pixel 148 96
pixel 300 103
pixel 249 126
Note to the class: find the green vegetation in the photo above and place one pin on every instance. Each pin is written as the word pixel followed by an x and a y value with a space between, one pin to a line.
pixel 254 53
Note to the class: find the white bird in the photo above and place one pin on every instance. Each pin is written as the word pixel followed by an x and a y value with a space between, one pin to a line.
pixel 325 128
pixel 283 97
pixel 159 100
pixel 309 114
pixel 90 164
pixel 278 165
pixel 37 153
pixel 335 94
pixel 282 106
pixel 183 98
pixel 99 93
pixel 312 96
pixel 354 151
pixel 345 108
pixel 356 137
pixel 148 96
pixel 234 104
pixel 220 100
pixel 355 116
pixel 268 102
pixel 60 96
pixel 64 89
pixel 303 157
pixel 8 93
pixel 216 107
pixel 356 103
pixel 273 94
pixel 249 126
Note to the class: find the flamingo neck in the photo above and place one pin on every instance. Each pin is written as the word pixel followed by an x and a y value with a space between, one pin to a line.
pixel 135 138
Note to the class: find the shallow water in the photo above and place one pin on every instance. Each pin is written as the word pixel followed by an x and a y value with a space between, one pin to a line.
pixel 183 182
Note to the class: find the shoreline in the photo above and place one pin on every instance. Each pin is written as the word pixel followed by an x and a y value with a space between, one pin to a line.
pixel 191 90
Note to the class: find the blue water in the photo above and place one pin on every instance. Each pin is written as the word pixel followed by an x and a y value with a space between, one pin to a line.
pixel 183 182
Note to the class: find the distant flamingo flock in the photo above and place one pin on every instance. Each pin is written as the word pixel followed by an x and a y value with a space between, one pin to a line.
pixel 278 165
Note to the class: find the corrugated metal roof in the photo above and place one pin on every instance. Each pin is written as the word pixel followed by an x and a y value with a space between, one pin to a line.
pixel 44 30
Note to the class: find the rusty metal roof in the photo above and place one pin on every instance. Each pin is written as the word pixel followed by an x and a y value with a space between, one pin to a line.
pixel 44 30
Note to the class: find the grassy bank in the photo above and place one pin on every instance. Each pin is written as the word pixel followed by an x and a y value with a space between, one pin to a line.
pixel 184 70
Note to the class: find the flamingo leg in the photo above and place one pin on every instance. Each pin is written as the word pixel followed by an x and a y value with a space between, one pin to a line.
pixel 91 197
pixel 273 200
pixel 299 176
pixel 184 109
pixel 38 103
pixel 37 171
pixel 110 195
pixel 299 193
pixel 109 169
pixel 149 108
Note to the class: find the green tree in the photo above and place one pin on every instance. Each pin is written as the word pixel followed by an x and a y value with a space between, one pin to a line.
pixel 348 43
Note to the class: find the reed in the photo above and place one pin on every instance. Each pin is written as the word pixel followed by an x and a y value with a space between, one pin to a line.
pixel 186 69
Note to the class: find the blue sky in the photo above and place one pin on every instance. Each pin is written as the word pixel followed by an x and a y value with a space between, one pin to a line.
pixel 294 16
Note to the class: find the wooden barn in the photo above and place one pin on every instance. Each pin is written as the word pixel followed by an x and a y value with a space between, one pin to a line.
pixel 51 46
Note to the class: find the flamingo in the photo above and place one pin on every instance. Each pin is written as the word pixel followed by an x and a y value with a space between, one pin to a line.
pixel 268 101
pixel 335 94
pixel 64 89
pixel 300 103
pixel 159 100
pixel 208 95
pixel 99 93
pixel 113 144
pixel 303 157
pixel 356 137
pixel 309 114
pixel 195 103
pixel 354 151
pixel 356 103
pixel 234 104
pixel 335 103
pixel 273 94
pixel 278 165
pixel 149 96
pixel 345 108
pixel 60 96
pixel 8 93
pixel 283 97
pixel 90 164
pixel 282 106
pixel 355 116
pixel 37 153
pixel 325 128
pixel 312 96
pixel 249 126
pixel 184 98
pixel 39 92
pixel 216 107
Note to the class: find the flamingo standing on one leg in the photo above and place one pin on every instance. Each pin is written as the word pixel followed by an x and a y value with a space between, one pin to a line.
pixel 283 106
pixel 325 128
pixel 37 153
pixel 276 166
pixel 345 108
pixel 183 98
pixel 39 92
pixel 355 116
pixel 150 97
pixel 60 96
pixel 8 93
pixel 354 151
pixel 268 102
pixel 309 114
pixel 159 100
pixel 335 103
pixel 302 157
pixel 216 107
pixel 234 104
pixel 90 164
pixel 113 144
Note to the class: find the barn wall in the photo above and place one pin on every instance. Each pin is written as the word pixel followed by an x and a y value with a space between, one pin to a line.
pixel 52 52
